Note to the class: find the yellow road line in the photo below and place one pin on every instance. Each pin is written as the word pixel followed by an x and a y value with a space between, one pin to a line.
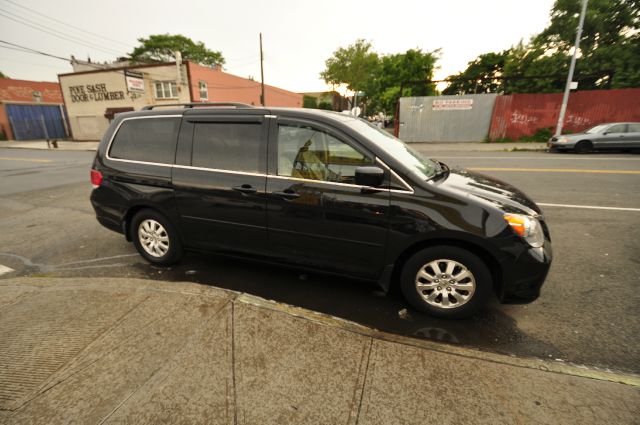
pixel 6 158
pixel 557 170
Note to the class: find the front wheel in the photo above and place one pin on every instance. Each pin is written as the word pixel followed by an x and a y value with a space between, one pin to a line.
pixel 155 238
pixel 583 146
pixel 446 281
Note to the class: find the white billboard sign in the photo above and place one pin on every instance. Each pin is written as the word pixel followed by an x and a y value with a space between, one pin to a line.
pixel 135 81
pixel 452 104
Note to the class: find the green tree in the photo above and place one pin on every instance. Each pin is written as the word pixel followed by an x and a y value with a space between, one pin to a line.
pixel 381 77
pixel 530 69
pixel 356 66
pixel 3 75
pixel 609 53
pixel 609 44
pixel 480 76
pixel 412 71
pixel 309 102
pixel 161 47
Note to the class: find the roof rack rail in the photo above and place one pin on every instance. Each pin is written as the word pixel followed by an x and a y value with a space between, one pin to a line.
pixel 196 104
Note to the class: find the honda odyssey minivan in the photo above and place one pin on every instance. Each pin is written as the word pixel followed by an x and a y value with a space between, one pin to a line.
pixel 321 191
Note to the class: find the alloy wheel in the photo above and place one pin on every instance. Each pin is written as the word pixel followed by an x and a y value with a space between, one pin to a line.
pixel 445 284
pixel 153 238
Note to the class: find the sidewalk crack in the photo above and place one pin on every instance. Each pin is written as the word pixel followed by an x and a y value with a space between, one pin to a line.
pixel 233 362
pixel 364 379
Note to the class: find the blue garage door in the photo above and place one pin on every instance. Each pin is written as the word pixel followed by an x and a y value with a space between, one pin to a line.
pixel 36 122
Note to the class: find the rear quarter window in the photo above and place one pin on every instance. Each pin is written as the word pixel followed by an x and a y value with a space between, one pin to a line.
pixel 146 140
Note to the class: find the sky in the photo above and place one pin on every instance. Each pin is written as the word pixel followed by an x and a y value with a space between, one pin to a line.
pixel 298 36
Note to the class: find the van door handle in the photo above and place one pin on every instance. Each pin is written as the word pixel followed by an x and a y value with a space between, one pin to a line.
pixel 287 194
pixel 245 188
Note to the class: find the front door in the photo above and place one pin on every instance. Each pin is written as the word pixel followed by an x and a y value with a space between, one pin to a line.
pixel 317 215
pixel 219 182
pixel 612 138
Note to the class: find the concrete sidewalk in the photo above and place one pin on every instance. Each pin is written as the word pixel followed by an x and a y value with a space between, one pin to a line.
pixel 137 351
pixel 42 144
pixel 458 147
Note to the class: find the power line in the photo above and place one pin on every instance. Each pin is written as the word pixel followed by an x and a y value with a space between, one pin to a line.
pixel 100 36
pixel 24 49
pixel 30 50
pixel 52 31
pixel 44 65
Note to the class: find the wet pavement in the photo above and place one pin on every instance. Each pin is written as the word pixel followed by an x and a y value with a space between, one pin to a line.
pixel 587 314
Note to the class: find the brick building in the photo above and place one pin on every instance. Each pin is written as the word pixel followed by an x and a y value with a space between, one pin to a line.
pixel 92 96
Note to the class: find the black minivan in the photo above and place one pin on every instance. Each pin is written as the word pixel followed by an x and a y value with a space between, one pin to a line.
pixel 317 190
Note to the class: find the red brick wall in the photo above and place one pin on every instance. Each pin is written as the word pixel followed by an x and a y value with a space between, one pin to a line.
pixel 224 87
pixel 21 91
pixel 520 115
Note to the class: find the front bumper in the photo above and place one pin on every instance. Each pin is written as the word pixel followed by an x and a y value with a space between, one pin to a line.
pixel 554 145
pixel 524 276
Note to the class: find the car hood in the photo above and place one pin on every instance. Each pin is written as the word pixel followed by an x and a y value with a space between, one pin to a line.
pixel 503 195
pixel 571 136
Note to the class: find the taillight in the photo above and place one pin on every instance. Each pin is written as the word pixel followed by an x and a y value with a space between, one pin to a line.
pixel 96 178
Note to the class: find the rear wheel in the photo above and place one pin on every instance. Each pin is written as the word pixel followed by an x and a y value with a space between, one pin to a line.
pixel 446 281
pixel 155 238
pixel 583 146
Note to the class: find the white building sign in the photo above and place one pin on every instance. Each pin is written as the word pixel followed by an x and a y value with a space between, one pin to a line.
pixel 452 104
pixel 135 81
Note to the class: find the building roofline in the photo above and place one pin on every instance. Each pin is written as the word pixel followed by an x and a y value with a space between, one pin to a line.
pixel 30 81
pixel 120 68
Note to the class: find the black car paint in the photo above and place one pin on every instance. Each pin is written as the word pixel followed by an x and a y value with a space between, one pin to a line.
pixel 339 229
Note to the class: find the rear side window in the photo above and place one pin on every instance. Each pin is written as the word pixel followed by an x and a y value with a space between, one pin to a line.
pixel 634 128
pixel 147 140
pixel 227 146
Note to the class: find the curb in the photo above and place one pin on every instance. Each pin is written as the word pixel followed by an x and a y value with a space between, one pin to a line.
pixel 561 368
pixel 190 288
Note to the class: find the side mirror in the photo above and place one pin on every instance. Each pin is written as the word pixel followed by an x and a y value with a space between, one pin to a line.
pixel 369 176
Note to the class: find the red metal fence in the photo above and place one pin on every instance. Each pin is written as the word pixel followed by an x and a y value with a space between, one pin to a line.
pixel 520 115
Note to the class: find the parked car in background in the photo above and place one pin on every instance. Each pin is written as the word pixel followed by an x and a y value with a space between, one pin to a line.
pixel 318 190
pixel 617 135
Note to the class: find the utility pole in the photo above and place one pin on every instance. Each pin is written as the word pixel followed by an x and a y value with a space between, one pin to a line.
pixel 262 102
pixel 567 89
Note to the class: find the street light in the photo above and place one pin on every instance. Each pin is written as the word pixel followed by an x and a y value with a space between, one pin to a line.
pixel 567 88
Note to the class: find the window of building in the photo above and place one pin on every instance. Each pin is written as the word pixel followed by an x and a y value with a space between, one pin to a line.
pixel 166 89
pixel 305 152
pixel 204 91
pixel 227 146
pixel 147 140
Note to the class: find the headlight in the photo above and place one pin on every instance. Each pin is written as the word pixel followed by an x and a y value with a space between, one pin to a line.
pixel 562 140
pixel 528 228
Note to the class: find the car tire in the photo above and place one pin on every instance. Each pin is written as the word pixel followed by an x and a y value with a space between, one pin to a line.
pixel 420 280
pixel 583 146
pixel 155 238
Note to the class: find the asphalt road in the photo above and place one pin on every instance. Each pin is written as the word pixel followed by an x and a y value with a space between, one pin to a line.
pixel 588 312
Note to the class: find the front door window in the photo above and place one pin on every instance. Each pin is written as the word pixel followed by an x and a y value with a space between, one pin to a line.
pixel 308 153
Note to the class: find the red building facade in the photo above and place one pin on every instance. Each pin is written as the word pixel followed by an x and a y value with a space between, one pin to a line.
pixel 23 95
pixel 213 85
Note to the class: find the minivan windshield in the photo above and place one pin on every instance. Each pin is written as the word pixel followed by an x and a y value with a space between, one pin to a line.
pixel 423 168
